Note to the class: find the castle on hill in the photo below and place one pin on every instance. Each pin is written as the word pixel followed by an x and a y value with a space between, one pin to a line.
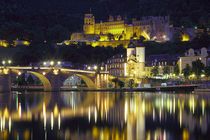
pixel 118 31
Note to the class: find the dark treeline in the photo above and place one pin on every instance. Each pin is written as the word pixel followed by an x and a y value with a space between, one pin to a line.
pixel 77 54
pixel 85 54
pixel 177 47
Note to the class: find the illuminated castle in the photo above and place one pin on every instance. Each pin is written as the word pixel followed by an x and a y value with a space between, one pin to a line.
pixel 118 31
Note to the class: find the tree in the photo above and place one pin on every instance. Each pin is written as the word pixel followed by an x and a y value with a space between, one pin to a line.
pixel 187 71
pixel 207 71
pixel 197 68
pixel 176 70
pixel 121 84
pixel 142 38
pixel 131 83
pixel 118 82
pixel 30 80
pixel 21 80
pixel 115 81
pixel 155 71
pixel 166 70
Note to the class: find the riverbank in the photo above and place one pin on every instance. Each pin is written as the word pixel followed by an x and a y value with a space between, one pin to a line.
pixel 180 88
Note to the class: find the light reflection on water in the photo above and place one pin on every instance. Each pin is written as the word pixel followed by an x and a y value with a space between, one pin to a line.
pixel 104 116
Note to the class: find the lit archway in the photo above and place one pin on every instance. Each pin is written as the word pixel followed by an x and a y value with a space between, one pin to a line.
pixel 88 81
pixel 46 83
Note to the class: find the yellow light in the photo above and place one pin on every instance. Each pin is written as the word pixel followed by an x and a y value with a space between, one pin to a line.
pixel 44 73
pixel 145 35
pixel 4 43
pixel 19 73
pixel 95 67
pixel 3 62
pixel 6 113
pixel 44 63
pixel 19 110
pixel 52 63
pixel 51 120
pixel 185 37
pixel 102 68
pixel 9 61
pixel 55 71
pixel 89 67
pixel 203 75
pixel 67 43
pixel 26 43
pixel 56 111
pixel 59 62
pixel 185 134
pixel 6 71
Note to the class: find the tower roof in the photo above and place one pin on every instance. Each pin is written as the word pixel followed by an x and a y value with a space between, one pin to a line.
pixel 131 45
pixel 135 44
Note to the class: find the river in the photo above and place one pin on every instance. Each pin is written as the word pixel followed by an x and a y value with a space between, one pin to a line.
pixel 104 116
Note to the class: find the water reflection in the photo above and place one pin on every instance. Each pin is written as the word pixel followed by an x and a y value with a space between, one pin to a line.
pixel 104 116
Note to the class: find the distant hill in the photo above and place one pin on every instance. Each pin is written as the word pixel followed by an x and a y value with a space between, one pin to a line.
pixel 36 15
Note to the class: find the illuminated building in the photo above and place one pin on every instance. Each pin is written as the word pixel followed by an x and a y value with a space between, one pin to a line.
pixel 131 66
pixel 185 37
pixel 5 43
pixel 116 65
pixel 193 55
pixel 161 61
pixel 135 61
pixel 117 31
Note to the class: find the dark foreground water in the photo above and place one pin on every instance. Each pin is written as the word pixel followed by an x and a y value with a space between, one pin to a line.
pixel 104 116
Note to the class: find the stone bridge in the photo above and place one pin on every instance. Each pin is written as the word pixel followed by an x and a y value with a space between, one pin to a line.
pixel 52 78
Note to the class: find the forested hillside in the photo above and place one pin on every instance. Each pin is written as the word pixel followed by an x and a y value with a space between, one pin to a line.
pixel 54 20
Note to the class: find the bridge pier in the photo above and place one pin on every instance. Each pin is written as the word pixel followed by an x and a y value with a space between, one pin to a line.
pixel 55 81
pixel 5 83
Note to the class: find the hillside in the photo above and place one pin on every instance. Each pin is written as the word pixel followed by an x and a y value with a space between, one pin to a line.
pixel 24 18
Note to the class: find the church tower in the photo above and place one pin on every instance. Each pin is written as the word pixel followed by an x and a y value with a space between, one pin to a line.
pixel 89 24
pixel 135 61
pixel 140 57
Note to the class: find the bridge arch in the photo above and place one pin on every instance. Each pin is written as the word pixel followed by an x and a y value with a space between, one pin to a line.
pixel 44 80
pixel 46 83
pixel 89 82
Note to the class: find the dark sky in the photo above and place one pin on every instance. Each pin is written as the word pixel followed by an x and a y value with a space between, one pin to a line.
pixel 192 11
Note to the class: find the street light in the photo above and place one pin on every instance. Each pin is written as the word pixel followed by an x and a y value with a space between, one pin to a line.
pixel 95 67
pixel 59 62
pixel 9 61
pixel 19 73
pixel 51 63
pixel 44 63
pixel 6 62
pixel 3 62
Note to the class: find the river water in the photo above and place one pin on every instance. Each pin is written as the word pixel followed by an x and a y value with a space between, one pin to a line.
pixel 104 116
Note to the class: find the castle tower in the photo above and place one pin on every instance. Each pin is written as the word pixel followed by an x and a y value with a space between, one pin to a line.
pixel 89 24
